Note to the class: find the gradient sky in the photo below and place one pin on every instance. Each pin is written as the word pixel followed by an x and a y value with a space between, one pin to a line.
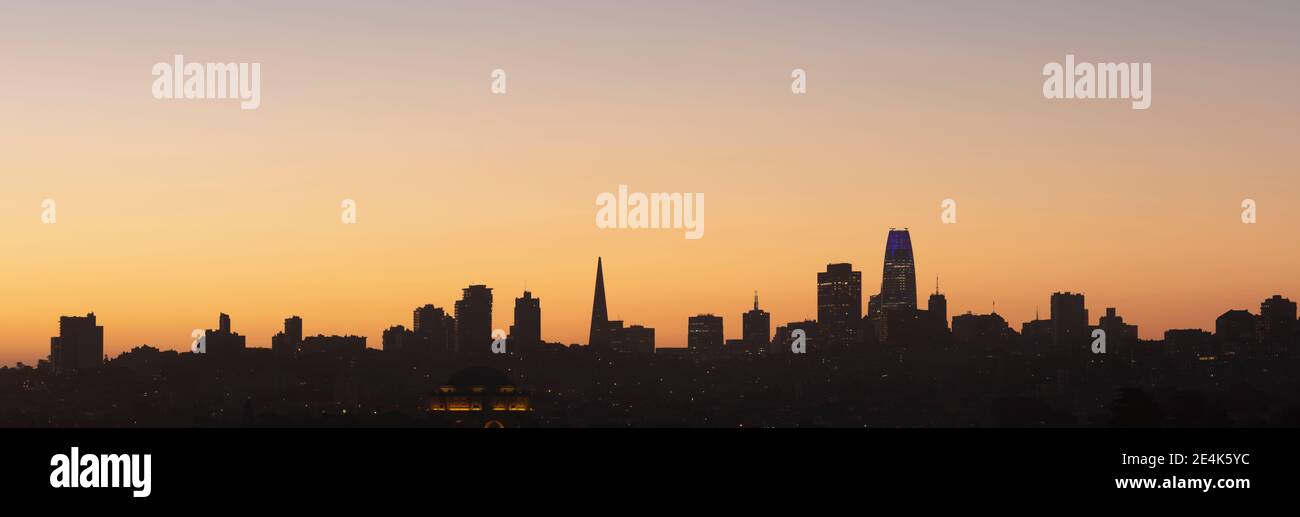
pixel 172 211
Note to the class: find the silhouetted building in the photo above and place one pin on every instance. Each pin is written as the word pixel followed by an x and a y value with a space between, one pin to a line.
pixel 293 329
pixel 1237 332
pixel 783 338
pixel 638 339
pixel 224 341
pixel 474 320
pixel 704 333
pixel 435 332
pixel 756 325
pixel 613 336
pixel 1121 338
pixel 1191 346
pixel 400 340
pixel 938 305
pixel 336 345
pixel 288 341
pixel 898 280
pixel 602 335
pixel 839 303
pixel 1036 336
pixel 526 331
pixel 985 331
pixel 79 345
pixel 1277 323
pixel 1069 323
pixel 481 397
pixel 619 339
pixel 903 327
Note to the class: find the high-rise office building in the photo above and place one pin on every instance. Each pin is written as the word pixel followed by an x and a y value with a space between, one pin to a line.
pixel 434 331
pixel 526 331
pixel 289 341
pixel 79 345
pixel 839 303
pixel 474 320
pixel 937 307
pixel 756 325
pixel 898 280
pixel 704 333
pixel 1071 337
pixel 1069 319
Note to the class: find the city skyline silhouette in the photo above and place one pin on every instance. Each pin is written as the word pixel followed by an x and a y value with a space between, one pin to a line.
pixel 898 287
pixel 841 312
pixel 885 362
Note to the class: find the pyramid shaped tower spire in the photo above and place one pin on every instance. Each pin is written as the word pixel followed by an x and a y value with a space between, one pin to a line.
pixel 599 313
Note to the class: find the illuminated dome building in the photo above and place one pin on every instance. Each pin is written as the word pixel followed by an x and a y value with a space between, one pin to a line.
pixel 481 397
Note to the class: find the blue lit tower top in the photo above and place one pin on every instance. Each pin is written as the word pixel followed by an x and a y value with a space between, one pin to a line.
pixel 898 282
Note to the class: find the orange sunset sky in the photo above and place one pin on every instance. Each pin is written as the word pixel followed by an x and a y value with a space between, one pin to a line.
pixel 171 211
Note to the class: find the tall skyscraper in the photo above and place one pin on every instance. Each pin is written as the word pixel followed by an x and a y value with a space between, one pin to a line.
pixel 839 303
pixel 599 336
pixel 434 331
pixel 79 346
pixel 526 331
pixel 937 307
pixel 704 333
pixel 1071 334
pixel 898 280
pixel 756 329
pixel 1069 320
pixel 474 320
